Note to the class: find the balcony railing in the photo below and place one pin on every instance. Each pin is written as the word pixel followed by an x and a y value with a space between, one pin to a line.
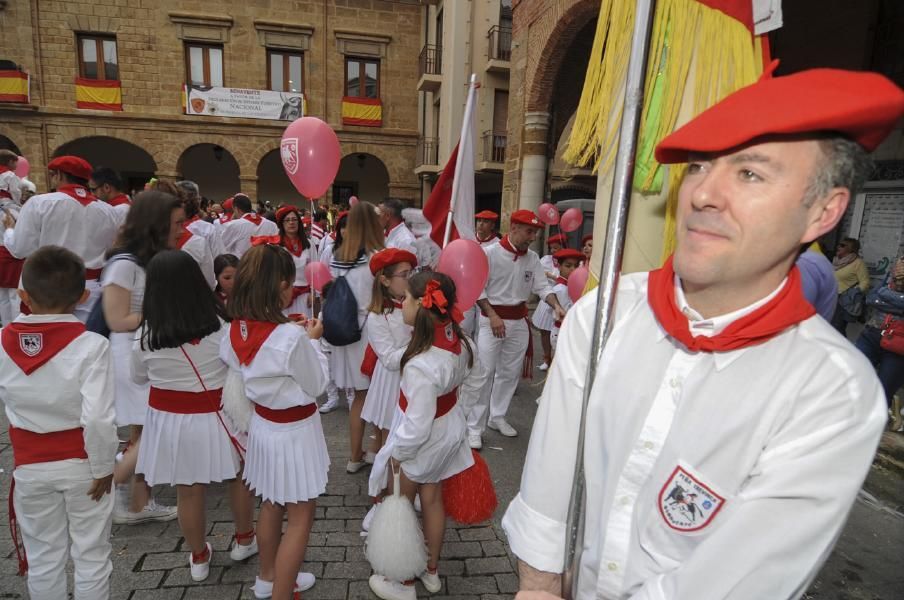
pixel 494 146
pixel 431 60
pixel 500 43
pixel 427 152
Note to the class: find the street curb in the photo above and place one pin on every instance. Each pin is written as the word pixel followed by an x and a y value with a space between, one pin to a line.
pixel 891 452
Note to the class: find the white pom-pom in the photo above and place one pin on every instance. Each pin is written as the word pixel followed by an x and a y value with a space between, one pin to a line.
pixel 395 543
pixel 236 405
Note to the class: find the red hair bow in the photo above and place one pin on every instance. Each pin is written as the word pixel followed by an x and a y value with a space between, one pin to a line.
pixel 433 296
pixel 261 240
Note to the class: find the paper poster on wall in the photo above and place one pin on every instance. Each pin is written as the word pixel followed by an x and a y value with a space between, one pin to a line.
pixel 882 233
pixel 249 104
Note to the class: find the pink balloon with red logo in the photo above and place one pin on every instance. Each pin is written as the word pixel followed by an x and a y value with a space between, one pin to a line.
pixel 352 201
pixel 577 281
pixel 318 275
pixel 465 262
pixel 22 167
pixel 548 213
pixel 571 220
pixel 310 155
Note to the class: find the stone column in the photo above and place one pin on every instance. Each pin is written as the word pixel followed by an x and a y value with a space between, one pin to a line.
pixel 534 160
pixel 248 185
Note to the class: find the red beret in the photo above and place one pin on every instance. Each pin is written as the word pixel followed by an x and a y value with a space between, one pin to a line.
pixel 390 256
pixel 557 239
pixel 526 217
pixel 306 220
pixel 73 165
pixel 227 205
pixel 342 214
pixel 862 106
pixel 487 215
pixel 586 238
pixel 283 212
pixel 568 253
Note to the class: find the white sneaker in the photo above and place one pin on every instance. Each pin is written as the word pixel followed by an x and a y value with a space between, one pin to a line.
pixel 354 467
pixel 475 441
pixel 264 589
pixel 431 581
pixel 240 552
pixel 391 590
pixel 330 405
pixel 502 426
pixel 200 571
pixel 151 512
pixel 365 524
pixel 370 457
pixel 543 367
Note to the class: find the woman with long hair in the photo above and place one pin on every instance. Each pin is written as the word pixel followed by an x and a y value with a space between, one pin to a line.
pixel 292 238
pixel 351 260
pixel 154 224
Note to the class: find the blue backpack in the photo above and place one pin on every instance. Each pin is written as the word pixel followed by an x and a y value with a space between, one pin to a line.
pixel 340 314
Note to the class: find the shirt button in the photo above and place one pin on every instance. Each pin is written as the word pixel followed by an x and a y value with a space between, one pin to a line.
pixel 613 566
pixel 648 445
pixel 626 500
pixel 675 382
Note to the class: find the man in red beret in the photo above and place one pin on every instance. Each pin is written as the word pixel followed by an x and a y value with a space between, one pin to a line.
pixel 486 227
pixel 729 428
pixel 70 217
pixel 503 342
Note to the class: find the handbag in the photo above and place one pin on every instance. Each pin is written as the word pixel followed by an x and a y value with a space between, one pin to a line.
pixel 892 335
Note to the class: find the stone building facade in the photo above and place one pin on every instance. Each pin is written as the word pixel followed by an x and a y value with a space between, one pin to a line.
pixel 153 136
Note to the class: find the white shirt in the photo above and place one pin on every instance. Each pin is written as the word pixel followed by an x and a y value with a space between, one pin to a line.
pixel 237 233
pixel 512 281
pixel 401 237
pixel 210 233
pixel 129 276
pixel 10 183
pixel 561 292
pixel 780 434
pixel 72 389
pixel 198 248
pixel 389 336
pixel 168 369
pixel 60 220
pixel 301 262
pixel 289 370
pixel 326 250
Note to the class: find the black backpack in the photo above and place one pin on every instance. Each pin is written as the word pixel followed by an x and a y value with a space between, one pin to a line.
pixel 340 314
pixel 96 321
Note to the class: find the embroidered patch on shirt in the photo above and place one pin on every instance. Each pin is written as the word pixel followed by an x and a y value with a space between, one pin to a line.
pixel 31 343
pixel 528 276
pixel 243 330
pixel 686 503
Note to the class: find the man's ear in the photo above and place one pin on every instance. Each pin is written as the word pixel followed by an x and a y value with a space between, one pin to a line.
pixel 825 213
pixel 24 297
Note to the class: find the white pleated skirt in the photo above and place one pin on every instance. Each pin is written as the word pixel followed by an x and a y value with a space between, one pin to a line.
pixel 544 318
pixel 445 453
pixel 130 399
pixel 382 399
pixel 299 306
pixel 179 449
pixel 345 365
pixel 286 462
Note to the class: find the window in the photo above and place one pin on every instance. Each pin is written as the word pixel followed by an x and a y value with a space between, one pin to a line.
pixel 204 64
pixel 285 71
pixel 97 57
pixel 362 78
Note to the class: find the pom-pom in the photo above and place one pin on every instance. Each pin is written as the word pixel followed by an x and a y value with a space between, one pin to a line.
pixel 236 405
pixel 469 497
pixel 395 543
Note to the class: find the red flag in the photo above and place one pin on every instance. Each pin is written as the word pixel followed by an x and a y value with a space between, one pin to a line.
pixel 436 210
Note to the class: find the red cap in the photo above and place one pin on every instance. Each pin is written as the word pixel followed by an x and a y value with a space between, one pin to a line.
pixel 343 213
pixel 227 205
pixel 587 238
pixel 487 215
pixel 526 217
pixel 862 106
pixel 306 220
pixel 73 165
pixel 283 211
pixel 390 256
pixel 559 239
pixel 568 253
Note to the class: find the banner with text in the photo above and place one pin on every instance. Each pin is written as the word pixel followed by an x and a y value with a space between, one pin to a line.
pixel 248 104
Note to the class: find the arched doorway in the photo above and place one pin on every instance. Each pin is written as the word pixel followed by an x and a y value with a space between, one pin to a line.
pixel 133 163
pixel 362 175
pixel 8 144
pixel 213 168
pixel 273 184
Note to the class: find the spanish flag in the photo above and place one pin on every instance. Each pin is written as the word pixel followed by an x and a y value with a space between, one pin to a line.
pixel 14 87
pixel 98 94
pixel 366 112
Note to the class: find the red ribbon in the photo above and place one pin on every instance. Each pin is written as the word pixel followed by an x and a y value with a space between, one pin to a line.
pixel 262 240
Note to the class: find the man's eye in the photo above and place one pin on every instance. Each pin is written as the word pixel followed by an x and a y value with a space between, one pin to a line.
pixel 748 175
pixel 694 168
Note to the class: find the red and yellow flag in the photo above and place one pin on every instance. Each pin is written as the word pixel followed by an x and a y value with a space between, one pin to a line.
pixel 98 94
pixel 366 112
pixel 14 87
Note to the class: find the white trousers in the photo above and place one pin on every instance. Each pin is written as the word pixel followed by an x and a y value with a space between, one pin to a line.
pixel 56 516
pixel 502 360
pixel 9 305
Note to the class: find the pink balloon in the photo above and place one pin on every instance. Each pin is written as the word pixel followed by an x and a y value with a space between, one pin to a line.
pixel 318 275
pixel 577 281
pixel 548 213
pixel 310 155
pixel 22 167
pixel 571 220
pixel 352 201
pixel 465 262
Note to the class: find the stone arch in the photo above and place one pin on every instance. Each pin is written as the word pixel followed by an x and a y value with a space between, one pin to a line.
pixel 213 167
pixel 361 174
pixel 273 185
pixel 7 144
pixel 133 162
pixel 172 154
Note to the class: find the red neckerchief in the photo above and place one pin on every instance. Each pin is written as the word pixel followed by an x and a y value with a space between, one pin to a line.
pixel 78 193
pixel 561 280
pixel 489 239
pixel 295 247
pixel 505 243
pixel 253 217
pixel 786 309
pixel 186 235
pixel 120 199
pixel 397 304
pixel 445 338
pixel 247 337
pixel 192 220
pixel 30 345
pixel 389 232
pixel 333 235
pixel 224 218
pixel 3 169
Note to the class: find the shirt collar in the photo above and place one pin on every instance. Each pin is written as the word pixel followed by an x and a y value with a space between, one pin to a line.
pixel 34 319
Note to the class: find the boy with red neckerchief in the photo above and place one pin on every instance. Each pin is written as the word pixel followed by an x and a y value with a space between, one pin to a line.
pixel 729 429
pixel 57 387
pixel 567 260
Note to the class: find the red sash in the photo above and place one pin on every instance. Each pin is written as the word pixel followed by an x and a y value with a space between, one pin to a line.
pixel 286 415
pixel 444 403
pixel 78 193
pixel 185 403
pixel 247 338
pixel 30 345
pixel 509 313
pixel 505 243
pixel 10 269
pixel 30 448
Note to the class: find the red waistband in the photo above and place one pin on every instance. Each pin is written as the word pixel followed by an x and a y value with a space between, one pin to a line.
pixel 299 290
pixel 444 403
pixel 10 269
pixel 92 274
pixel 5 194
pixel 286 415
pixel 509 313
pixel 185 403
pixel 30 448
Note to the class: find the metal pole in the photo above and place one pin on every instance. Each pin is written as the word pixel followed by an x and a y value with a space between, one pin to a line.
pixel 611 267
